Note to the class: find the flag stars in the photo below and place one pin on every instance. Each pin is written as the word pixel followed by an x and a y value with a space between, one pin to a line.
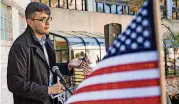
pixel 145 3
pixel 128 31
pixel 147 44
pixel 113 50
pixel 146 33
pixel 123 38
pixel 133 35
pixel 139 29
pixel 120 35
pixel 128 41
pixel 122 48
pixel 144 12
pixel 136 36
pixel 118 44
pixel 140 39
pixel 133 26
pixel 110 48
pixel 115 42
pixel 134 46
pixel 145 23
pixel 139 18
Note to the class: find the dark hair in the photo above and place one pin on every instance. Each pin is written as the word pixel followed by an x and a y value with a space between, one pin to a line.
pixel 36 7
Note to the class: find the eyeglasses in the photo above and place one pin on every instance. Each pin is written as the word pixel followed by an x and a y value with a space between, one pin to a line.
pixel 45 20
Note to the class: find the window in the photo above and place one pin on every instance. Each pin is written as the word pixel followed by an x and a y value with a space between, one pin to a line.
pixel 124 10
pixel 61 56
pixel 55 3
pixel 107 8
pixel 72 4
pixel 61 49
pixel 119 9
pixel 66 4
pixel 4 22
pixel 63 4
pixel 79 4
pixel 113 9
pixel 99 7
pixel 176 6
pixel 60 44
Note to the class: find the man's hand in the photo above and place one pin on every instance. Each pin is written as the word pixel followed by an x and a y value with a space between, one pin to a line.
pixel 56 89
pixel 74 63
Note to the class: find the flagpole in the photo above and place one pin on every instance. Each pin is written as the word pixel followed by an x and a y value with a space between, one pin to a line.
pixel 157 25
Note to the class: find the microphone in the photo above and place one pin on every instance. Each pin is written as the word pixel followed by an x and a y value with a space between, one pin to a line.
pixel 55 69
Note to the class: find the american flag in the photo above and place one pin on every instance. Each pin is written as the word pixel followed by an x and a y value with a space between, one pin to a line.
pixel 85 67
pixel 129 73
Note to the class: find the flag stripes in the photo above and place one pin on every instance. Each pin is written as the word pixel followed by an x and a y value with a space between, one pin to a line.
pixel 126 67
pixel 120 77
pixel 85 67
pixel 147 70
pixel 147 100
pixel 128 58
pixel 116 94
pixel 119 85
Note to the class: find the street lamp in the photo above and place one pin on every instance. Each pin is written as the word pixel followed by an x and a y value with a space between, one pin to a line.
pixel 173 48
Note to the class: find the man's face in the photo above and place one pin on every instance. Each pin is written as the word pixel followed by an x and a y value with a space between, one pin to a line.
pixel 40 23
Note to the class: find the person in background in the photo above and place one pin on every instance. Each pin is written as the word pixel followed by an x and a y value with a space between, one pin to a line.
pixel 31 58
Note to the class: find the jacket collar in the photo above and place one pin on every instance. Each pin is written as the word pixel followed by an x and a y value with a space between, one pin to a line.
pixel 32 42
pixel 31 39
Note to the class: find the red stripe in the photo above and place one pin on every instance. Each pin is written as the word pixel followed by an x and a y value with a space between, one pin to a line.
pixel 126 67
pixel 85 68
pixel 119 85
pixel 148 100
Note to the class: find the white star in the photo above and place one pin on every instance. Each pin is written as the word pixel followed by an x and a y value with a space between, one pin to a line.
pixel 147 44
pixel 133 25
pixel 146 33
pixel 144 12
pixel 113 50
pixel 110 48
pixel 128 31
pixel 123 38
pixel 134 46
pixel 140 39
pixel 139 18
pixel 122 48
pixel 128 41
pixel 115 42
pixel 133 35
pixel 145 23
pixel 139 29
pixel 118 44
pixel 145 3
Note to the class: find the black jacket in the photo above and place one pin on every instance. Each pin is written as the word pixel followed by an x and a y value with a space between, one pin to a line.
pixel 28 71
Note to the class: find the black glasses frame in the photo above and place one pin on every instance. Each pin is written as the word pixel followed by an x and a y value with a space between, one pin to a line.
pixel 45 20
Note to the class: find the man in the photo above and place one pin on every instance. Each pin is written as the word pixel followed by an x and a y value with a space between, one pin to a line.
pixel 31 59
